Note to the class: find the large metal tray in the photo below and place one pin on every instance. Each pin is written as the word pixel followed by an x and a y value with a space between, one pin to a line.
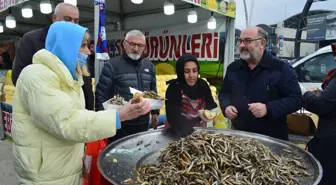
pixel 120 159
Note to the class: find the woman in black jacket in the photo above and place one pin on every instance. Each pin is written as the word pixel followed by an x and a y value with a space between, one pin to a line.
pixel 186 95
pixel 323 145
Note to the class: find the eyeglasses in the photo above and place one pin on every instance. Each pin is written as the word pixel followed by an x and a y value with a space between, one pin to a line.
pixel 132 44
pixel 248 41
pixel 70 19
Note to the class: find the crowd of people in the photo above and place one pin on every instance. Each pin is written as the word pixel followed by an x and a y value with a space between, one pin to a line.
pixel 55 112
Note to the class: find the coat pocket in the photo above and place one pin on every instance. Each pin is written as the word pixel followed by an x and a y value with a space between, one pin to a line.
pixel 272 92
pixel 40 156
pixel 146 81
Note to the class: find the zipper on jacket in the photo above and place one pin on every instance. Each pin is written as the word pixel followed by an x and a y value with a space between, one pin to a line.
pixel 139 79
pixel 140 88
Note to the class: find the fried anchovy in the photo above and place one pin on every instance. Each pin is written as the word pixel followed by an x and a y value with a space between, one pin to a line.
pixel 152 95
pixel 206 158
pixel 117 100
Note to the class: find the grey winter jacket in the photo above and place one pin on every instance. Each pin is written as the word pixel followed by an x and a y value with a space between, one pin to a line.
pixel 120 73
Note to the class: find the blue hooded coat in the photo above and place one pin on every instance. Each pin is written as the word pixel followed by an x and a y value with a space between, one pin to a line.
pixel 51 123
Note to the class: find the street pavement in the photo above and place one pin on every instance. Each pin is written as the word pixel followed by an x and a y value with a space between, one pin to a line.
pixel 7 174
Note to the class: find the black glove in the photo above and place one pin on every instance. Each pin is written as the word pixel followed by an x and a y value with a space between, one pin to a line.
pixel 183 130
pixel 186 130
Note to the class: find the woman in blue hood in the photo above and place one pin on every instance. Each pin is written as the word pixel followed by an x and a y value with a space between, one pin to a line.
pixel 50 123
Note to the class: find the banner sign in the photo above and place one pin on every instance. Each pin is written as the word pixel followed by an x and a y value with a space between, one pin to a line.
pixel 5 4
pixel 331 26
pixel 7 118
pixel 321 27
pixel 316 27
pixel 224 7
pixel 101 48
pixel 165 45
pixel 168 44
pixel 205 46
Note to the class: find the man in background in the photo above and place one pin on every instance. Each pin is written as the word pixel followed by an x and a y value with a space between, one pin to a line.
pixel 5 61
pixel 259 90
pixel 34 41
pixel 91 60
pixel 124 71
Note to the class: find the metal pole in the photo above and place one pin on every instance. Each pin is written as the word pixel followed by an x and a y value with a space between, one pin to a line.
pixel 229 48
pixel 246 14
pixel 300 27
pixel 96 24
pixel 99 64
pixel 251 13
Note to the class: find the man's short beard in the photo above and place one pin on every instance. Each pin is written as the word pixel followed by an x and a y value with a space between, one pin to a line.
pixel 133 56
pixel 245 56
pixel 251 57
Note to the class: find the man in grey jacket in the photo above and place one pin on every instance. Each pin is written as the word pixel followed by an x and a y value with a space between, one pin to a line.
pixel 124 71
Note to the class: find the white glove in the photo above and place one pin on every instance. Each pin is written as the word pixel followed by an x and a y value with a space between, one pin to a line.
pixel 303 89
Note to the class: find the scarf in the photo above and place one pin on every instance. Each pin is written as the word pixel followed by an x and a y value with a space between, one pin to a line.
pixel 193 92
pixel 329 76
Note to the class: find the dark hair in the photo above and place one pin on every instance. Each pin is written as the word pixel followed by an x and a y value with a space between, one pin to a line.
pixel 262 33
pixel 6 60
pixel 5 56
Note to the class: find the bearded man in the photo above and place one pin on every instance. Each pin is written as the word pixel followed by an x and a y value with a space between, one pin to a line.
pixel 259 90
pixel 122 72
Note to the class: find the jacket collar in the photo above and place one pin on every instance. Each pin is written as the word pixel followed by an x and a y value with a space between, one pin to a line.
pixel 46 58
pixel 266 60
pixel 44 33
pixel 136 63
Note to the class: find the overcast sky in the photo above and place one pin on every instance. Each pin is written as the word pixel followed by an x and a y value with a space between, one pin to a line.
pixel 274 11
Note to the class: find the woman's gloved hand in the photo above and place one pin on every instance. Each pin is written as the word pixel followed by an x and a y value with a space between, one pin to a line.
pixel 135 110
pixel 183 130
pixel 186 130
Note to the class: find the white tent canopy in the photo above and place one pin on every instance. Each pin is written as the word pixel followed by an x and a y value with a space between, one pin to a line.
pixel 148 15
pixel 121 16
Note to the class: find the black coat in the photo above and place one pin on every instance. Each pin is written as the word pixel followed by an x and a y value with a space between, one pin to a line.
pixel 32 42
pixel 325 107
pixel 323 145
pixel 273 82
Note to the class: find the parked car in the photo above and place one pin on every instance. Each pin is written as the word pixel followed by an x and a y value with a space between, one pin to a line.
pixel 294 60
pixel 313 68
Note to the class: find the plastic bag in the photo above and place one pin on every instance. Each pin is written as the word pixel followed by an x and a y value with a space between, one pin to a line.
pixel 220 121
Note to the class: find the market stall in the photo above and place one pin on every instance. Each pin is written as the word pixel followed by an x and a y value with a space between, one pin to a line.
pixel 210 36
